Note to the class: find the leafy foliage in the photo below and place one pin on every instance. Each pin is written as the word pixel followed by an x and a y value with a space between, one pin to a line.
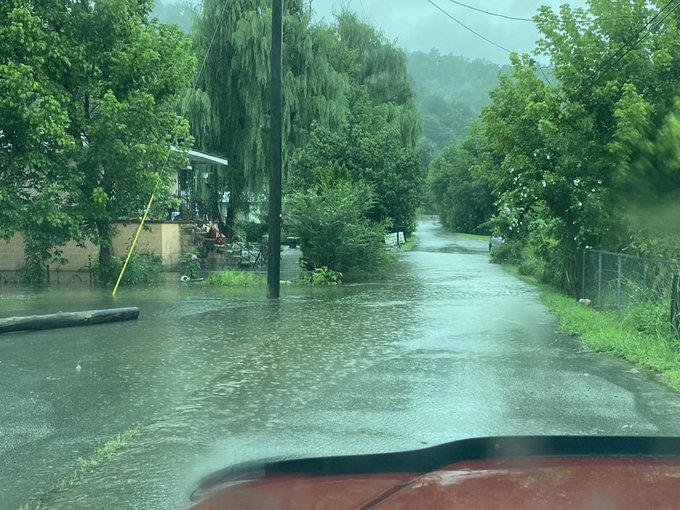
pixel 191 264
pixel 87 100
pixel 460 197
pixel 331 220
pixel 230 116
pixel 144 268
pixel 590 160
pixel 369 147
pixel 321 276
pixel 235 279
pixel 343 82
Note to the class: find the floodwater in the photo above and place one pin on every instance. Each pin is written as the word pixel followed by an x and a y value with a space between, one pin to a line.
pixel 447 347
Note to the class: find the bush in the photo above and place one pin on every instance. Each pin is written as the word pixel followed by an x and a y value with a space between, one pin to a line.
pixel 144 268
pixel 651 318
pixel 37 258
pixel 191 264
pixel 33 271
pixel 331 221
pixel 507 253
pixel 321 276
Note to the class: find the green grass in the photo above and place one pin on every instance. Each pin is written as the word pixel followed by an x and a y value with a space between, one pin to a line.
pixel 84 467
pixel 476 237
pixel 410 243
pixel 603 332
pixel 236 279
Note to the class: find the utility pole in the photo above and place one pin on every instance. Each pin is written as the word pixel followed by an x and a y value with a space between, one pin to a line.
pixel 274 258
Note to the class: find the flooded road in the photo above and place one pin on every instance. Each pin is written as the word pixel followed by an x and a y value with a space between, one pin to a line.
pixel 446 348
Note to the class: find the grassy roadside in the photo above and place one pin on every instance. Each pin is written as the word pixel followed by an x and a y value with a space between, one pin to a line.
pixel 83 467
pixel 603 332
pixel 476 237
pixel 236 279
pixel 410 243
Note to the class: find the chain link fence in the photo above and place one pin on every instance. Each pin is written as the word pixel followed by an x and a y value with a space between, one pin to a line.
pixel 621 283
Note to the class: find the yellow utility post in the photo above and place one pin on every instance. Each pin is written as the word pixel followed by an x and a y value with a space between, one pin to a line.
pixel 134 242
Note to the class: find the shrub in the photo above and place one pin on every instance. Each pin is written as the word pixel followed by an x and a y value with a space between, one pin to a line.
pixel 507 253
pixel 191 264
pixel 37 258
pixel 331 221
pixel 652 318
pixel 144 268
pixel 321 276
pixel 33 271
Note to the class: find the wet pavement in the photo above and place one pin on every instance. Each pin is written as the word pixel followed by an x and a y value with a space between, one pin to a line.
pixel 449 347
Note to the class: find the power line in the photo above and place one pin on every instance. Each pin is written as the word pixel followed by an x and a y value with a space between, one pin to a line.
pixel 636 39
pixel 491 13
pixel 545 76
pixel 205 57
pixel 471 30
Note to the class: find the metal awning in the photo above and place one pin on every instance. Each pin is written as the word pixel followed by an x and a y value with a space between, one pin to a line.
pixel 203 157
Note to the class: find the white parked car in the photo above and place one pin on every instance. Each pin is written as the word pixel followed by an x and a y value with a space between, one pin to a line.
pixel 494 241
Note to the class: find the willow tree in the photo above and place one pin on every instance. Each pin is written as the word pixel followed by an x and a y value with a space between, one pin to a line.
pixel 232 38
pixel 374 63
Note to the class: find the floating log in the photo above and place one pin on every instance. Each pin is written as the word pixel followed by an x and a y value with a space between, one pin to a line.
pixel 67 319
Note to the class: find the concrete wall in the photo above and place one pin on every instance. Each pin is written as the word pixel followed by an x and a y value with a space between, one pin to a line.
pixel 162 238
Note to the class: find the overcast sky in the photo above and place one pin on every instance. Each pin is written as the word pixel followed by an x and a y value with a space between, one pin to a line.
pixel 419 25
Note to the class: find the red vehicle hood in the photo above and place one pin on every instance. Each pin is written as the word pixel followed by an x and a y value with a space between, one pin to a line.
pixel 553 472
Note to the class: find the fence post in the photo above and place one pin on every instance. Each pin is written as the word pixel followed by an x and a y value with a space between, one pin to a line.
pixel 618 288
pixel 674 305
pixel 583 275
pixel 599 279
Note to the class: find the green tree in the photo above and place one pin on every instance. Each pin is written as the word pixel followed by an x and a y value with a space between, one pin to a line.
pixel 461 198
pixel 88 117
pixel 379 68
pixel 444 121
pixel 231 115
pixel 567 160
pixel 372 150
pixel 122 98
pixel 35 172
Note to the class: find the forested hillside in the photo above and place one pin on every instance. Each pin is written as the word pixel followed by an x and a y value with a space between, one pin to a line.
pixel 451 90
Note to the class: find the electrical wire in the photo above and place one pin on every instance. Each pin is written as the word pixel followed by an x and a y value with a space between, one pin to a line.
pixel 469 29
pixel 612 60
pixel 536 64
pixel 205 57
pixel 545 76
pixel 491 13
